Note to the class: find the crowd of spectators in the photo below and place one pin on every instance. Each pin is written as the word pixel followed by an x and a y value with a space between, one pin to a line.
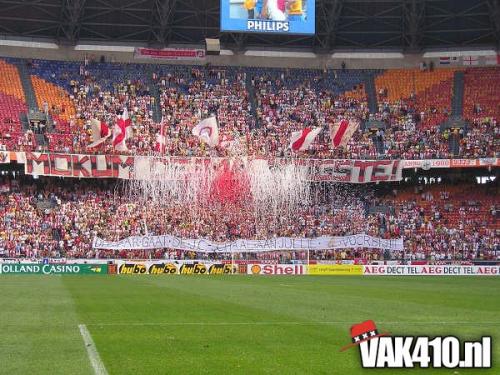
pixel 49 218
pixel 191 95
pixel 257 110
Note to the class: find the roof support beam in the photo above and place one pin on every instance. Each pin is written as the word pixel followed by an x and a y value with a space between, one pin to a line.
pixel 413 18
pixel 71 17
pixel 329 13
pixel 161 30
pixel 494 8
pixel 239 40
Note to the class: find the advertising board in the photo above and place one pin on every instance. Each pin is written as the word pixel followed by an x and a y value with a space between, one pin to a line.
pixel 174 268
pixel 430 270
pixel 276 269
pixel 50 269
pixel 335 269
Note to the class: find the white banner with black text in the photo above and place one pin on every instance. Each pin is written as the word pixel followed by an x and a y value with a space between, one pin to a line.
pixel 273 244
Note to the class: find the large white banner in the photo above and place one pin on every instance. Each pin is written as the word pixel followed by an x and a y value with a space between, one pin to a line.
pixel 280 243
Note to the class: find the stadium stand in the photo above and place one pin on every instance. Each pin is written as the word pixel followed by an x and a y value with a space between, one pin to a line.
pixel 481 93
pixel 12 105
pixel 259 108
pixel 401 84
pixel 10 82
pixel 441 221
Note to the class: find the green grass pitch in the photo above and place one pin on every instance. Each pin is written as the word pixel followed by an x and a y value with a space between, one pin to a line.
pixel 231 324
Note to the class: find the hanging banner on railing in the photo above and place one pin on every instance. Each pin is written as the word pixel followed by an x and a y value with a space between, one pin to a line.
pixel 170 53
pixel 333 170
pixel 238 246
pixel 355 171
pixel 80 166
pixel 121 166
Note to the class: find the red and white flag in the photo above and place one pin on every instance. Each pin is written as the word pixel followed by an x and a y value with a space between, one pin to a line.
pixel 121 132
pixel 160 138
pixel 470 60
pixel 207 131
pixel 301 140
pixel 342 132
pixel 100 132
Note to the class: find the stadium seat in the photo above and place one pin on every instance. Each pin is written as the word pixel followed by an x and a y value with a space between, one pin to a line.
pixel 12 101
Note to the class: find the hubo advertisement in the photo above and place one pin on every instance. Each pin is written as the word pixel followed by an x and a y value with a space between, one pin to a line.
pixel 53 269
pixel 268 16
pixel 174 268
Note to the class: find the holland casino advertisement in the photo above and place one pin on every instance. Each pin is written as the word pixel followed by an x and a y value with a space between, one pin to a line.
pixel 268 16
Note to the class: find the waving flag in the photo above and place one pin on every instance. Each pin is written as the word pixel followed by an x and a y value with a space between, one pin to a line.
pixel 100 132
pixel 301 140
pixel 160 138
pixel 207 131
pixel 121 132
pixel 342 132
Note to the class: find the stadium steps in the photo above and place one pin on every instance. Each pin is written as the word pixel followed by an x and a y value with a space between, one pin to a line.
pixel 23 117
pixel 252 99
pixel 27 84
pixel 453 145
pixel 154 91
pixel 379 145
pixel 458 94
pixel 50 125
pixel 41 140
pixel 371 93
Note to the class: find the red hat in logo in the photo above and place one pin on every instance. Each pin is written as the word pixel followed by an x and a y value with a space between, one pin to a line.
pixel 363 332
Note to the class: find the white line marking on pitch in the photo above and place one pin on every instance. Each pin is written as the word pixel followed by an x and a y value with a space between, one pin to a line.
pixel 279 323
pixel 92 352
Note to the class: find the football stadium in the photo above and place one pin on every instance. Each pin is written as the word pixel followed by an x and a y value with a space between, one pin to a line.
pixel 249 187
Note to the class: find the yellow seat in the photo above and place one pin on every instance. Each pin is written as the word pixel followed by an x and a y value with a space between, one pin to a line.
pixel 55 96
pixel 10 83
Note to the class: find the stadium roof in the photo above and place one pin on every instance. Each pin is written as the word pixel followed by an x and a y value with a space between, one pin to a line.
pixel 409 25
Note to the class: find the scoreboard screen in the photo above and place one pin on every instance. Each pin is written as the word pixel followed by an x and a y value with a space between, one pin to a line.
pixel 268 16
